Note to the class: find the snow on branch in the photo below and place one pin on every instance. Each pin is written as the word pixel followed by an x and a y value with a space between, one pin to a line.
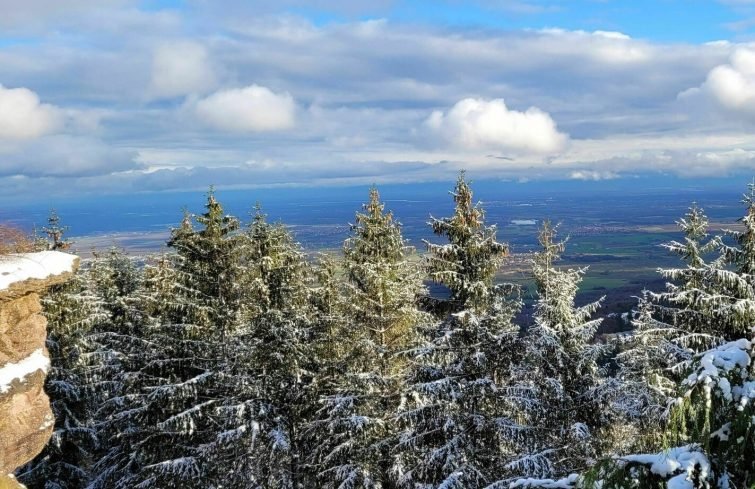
pixel 569 482
pixel 681 465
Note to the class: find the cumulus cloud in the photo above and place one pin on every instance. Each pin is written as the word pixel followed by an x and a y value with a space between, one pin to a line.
pixel 250 109
pixel 480 124
pixel 731 85
pixel 181 68
pixel 22 116
pixel 364 91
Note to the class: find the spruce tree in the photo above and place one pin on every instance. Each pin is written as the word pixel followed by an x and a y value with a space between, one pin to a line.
pixel 689 303
pixel 161 421
pixel 458 418
pixel 355 426
pixel 116 280
pixel 55 233
pixel 209 269
pixel 669 327
pixel 559 363
pixel 704 305
pixel 266 413
pixel 692 347
pixel 735 301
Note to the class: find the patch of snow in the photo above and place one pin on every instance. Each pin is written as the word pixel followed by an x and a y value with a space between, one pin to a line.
pixel 727 357
pixel 732 358
pixel 679 463
pixel 565 483
pixel 48 421
pixel 19 371
pixel 23 266
pixel 723 432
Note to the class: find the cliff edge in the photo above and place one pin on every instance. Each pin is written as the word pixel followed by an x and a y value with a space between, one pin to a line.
pixel 26 420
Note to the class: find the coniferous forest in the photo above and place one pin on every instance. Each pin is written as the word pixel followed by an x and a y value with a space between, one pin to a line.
pixel 236 360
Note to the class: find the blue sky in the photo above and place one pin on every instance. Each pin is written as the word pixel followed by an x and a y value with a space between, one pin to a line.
pixel 114 96
pixel 663 20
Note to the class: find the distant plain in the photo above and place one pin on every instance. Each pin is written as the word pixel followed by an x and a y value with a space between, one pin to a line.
pixel 615 231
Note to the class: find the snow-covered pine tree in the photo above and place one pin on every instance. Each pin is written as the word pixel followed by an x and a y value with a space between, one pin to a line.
pixel 208 264
pixel 668 327
pixel 559 363
pixel 704 305
pixel 689 303
pixel 55 232
pixel 707 432
pixel 328 320
pixel 355 425
pixel 72 311
pixel 159 295
pixel 115 280
pixel 708 301
pixel 743 254
pixel 736 315
pixel 261 421
pixel 162 420
pixel 458 424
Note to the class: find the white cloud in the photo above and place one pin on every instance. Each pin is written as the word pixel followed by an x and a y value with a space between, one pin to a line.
pixel 36 13
pixel 181 68
pixel 358 101
pixel 480 124
pixel 22 116
pixel 731 85
pixel 593 175
pixel 65 156
pixel 250 109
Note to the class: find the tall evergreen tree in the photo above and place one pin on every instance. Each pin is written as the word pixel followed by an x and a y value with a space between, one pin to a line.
pixel 268 411
pixel 704 305
pixel 208 264
pixel 115 279
pixel 560 363
pixel 458 416
pixel 688 304
pixel 355 426
pixel 668 327
pixel 735 301
pixel 161 423
pixel 696 325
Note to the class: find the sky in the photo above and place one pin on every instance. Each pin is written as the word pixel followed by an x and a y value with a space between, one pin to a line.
pixel 118 96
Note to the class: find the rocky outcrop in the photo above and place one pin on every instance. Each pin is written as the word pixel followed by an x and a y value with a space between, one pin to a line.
pixel 26 421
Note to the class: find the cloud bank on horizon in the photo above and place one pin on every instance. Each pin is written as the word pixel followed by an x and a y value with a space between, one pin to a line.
pixel 123 95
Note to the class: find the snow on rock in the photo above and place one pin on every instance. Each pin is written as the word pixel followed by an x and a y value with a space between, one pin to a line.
pixel 19 371
pixel 679 464
pixel 26 420
pixel 24 266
